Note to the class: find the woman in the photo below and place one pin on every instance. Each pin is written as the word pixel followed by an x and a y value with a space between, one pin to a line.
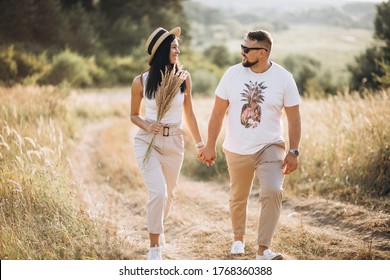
pixel 161 169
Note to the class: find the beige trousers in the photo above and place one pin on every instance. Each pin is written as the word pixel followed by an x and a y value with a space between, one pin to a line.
pixel 267 165
pixel 160 173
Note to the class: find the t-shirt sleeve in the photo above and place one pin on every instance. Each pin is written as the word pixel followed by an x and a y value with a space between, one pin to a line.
pixel 291 94
pixel 222 89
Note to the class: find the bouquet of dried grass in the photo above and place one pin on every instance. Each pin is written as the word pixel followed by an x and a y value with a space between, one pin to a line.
pixel 171 81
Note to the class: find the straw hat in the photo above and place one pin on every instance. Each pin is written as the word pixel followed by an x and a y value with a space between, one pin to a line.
pixel 157 37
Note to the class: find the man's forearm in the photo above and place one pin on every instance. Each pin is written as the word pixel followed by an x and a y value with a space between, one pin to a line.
pixel 215 125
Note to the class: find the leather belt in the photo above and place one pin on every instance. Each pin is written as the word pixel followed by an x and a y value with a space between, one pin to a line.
pixel 170 131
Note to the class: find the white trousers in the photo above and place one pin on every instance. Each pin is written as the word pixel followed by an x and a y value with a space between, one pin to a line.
pixel 160 173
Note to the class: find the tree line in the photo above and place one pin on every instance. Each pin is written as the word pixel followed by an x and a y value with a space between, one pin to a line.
pixel 79 42
pixel 100 43
pixel 372 68
pixel 86 26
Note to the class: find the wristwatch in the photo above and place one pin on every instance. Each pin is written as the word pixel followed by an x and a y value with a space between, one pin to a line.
pixel 295 152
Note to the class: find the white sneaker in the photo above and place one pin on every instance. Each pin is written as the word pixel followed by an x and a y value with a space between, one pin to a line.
pixel 269 255
pixel 161 240
pixel 237 247
pixel 154 254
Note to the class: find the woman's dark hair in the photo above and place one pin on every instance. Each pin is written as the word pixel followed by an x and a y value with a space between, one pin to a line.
pixel 158 64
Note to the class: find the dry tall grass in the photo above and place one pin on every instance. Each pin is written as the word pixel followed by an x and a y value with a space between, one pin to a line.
pixel 345 152
pixel 39 211
pixel 41 218
pixel 345 149
pixel 199 225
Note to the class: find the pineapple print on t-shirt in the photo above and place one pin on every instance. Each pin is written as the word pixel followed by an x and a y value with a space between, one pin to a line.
pixel 251 110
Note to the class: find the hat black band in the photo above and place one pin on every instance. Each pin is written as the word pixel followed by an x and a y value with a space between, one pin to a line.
pixel 153 42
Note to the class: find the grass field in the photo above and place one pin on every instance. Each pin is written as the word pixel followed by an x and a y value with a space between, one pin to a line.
pixel 341 187
pixel 345 150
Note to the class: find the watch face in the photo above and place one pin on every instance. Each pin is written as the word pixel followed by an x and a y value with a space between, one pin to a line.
pixel 295 152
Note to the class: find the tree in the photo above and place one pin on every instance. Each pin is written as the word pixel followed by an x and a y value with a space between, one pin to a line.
pixel 97 29
pixel 81 34
pixel 87 26
pixel 16 20
pixel 49 24
pixel 382 23
pixel 126 23
pixel 367 71
pixel 88 5
pixel 371 68
pixel 385 79
pixel 219 55
pixel 41 23
pixel 304 69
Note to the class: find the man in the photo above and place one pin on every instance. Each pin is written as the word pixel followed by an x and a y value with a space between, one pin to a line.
pixel 255 92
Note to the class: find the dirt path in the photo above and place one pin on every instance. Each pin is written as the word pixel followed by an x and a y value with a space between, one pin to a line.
pixel 193 207
pixel 199 224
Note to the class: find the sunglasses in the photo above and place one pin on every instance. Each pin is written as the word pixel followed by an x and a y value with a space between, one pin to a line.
pixel 246 49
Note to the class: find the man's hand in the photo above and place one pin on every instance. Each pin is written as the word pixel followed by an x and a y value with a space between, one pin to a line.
pixel 207 155
pixel 290 163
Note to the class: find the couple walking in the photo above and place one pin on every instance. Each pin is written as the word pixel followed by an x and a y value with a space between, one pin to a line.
pixel 254 93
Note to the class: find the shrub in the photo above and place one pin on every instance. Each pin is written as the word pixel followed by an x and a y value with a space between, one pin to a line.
pixel 18 66
pixel 219 55
pixel 205 74
pixel 203 82
pixel 366 69
pixel 303 68
pixel 119 70
pixel 68 67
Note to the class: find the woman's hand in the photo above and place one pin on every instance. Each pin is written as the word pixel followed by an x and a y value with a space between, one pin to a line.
pixel 207 155
pixel 153 127
pixel 180 72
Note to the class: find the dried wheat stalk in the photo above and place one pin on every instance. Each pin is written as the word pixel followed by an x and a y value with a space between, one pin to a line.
pixel 166 92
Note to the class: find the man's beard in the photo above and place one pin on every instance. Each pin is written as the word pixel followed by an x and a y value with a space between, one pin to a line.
pixel 249 64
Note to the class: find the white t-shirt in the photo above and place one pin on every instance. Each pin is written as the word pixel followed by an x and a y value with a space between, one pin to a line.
pixel 255 108
pixel 174 114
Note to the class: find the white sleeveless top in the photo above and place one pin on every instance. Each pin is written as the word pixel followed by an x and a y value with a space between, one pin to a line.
pixel 174 114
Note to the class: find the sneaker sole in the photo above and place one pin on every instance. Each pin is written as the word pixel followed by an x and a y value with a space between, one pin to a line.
pixel 278 257
pixel 237 253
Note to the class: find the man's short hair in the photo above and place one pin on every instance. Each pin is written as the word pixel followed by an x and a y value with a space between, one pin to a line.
pixel 260 36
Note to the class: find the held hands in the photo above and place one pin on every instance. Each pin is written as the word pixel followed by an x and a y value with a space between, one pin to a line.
pixel 207 155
